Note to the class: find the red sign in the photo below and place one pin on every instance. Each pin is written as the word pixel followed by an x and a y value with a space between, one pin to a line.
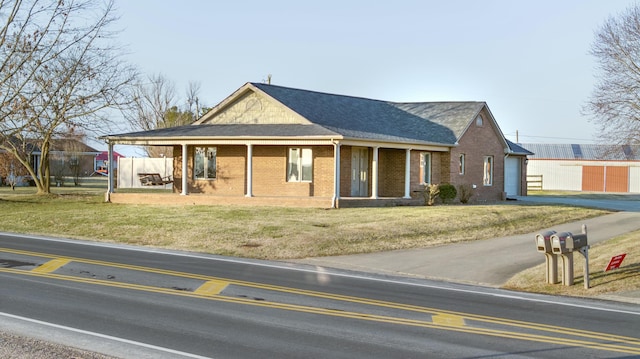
pixel 615 262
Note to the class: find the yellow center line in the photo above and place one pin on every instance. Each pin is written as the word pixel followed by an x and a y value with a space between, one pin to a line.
pixel 441 319
pixel 212 287
pixel 52 265
pixel 343 314
pixel 448 320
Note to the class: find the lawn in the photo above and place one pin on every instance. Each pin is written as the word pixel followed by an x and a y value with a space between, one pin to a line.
pixel 289 233
pixel 265 232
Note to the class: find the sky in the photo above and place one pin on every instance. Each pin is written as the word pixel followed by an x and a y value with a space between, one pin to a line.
pixel 529 60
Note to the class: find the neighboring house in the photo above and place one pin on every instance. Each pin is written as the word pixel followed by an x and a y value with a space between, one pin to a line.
pixel 267 144
pixel 67 157
pixel 584 167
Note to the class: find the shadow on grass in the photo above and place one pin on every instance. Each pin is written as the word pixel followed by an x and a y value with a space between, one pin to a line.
pixel 622 273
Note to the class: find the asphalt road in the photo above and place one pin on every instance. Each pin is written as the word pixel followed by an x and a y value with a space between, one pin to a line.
pixel 134 303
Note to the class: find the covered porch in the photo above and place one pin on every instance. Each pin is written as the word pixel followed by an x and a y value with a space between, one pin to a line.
pixel 339 180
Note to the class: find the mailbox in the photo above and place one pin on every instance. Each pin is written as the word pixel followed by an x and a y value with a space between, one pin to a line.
pixel 575 242
pixel 543 241
pixel 559 242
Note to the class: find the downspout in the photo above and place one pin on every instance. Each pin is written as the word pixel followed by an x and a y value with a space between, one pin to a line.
pixel 336 174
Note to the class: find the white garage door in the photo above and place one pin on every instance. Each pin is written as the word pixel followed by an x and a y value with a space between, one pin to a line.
pixel 512 176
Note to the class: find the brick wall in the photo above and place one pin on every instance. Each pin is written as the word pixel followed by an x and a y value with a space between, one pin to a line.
pixel 475 144
pixel 391 164
pixel 269 172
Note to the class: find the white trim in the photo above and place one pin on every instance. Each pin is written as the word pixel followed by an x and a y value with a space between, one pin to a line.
pixel 185 169
pixel 407 174
pixel 374 173
pixel 249 171
pixel 336 174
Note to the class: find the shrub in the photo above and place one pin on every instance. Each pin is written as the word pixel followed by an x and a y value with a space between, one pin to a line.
pixel 447 192
pixel 466 192
pixel 430 192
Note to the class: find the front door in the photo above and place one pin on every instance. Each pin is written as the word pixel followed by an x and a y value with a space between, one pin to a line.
pixel 359 172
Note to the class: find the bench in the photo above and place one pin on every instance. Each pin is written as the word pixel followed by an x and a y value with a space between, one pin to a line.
pixel 153 179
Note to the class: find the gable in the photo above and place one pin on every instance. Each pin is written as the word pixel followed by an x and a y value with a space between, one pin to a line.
pixel 251 108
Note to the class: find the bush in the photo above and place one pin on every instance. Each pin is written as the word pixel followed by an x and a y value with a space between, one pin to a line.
pixel 447 192
pixel 430 192
pixel 466 192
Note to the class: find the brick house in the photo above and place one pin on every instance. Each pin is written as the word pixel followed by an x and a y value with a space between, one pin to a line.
pixel 274 145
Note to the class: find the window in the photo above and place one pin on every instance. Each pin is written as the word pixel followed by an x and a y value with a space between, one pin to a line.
pixel 299 165
pixel 479 121
pixel 425 167
pixel 204 166
pixel 488 171
pixel 461 164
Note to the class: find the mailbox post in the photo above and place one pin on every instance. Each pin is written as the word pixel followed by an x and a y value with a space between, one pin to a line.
pixel 564 244
pixel 543 243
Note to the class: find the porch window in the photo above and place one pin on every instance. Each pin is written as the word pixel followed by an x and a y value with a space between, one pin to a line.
pixel 461 164
pixel 488 171
pixel 204 167
pixel 299 165
pixel 425 167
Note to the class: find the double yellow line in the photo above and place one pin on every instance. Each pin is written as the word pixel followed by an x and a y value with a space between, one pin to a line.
pixel 212 289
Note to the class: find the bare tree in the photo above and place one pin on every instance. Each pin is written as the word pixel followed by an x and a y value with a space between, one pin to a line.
pixel 58 71
pixel 155 106
pixel 615 102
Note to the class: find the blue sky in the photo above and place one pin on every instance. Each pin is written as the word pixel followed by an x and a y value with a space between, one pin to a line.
pixel 527 59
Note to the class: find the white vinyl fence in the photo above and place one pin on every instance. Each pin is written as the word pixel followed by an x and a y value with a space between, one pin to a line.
pixel 128 169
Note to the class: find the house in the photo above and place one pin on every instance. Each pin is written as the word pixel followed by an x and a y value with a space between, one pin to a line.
pixel 274 145
pixel 67 157
pixel 584 167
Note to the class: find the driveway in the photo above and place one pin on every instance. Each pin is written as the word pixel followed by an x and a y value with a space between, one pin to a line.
pixel 489 262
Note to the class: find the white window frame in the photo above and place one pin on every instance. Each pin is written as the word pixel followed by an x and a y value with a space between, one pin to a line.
pixel 487 176
pixel 461 168
pixel 425 167
pixel 207 169
pixel 300 164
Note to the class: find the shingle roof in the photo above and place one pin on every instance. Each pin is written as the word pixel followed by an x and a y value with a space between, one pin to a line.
pixel 355 117
pixel 518 150
pixel 567 151
pixel 339 116
pixel 234 130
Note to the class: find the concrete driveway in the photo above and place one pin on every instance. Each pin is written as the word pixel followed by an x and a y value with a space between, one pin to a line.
pixel 488 262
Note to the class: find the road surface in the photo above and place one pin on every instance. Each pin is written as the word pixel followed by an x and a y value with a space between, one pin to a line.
pixel 140 303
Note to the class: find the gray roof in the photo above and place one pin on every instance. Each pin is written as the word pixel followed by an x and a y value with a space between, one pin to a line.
pixel 441 123
pixel 518 150
pixel 567 151
pixel 355 117
pixel 233 130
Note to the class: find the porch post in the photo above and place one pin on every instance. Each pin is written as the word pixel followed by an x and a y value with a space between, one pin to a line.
pixel 249 171
pixel 336 175
pixel 374 174
pixel 184 169
pixel 407 174
pixel 111 185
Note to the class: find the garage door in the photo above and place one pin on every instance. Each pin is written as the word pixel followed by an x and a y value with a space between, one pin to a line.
pixel 605 179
